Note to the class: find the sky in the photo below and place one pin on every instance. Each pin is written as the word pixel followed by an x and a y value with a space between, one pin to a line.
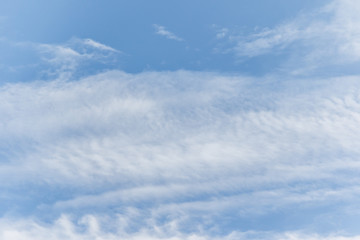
pixel 179 120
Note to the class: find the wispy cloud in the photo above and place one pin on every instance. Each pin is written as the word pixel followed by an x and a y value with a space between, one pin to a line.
pixel 327 36
pixel 59 60
pixel 161 30
pixel 66 58
pixel 221 32
pixel 98 45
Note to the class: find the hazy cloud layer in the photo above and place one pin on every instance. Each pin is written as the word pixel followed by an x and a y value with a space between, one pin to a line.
pixel 189 146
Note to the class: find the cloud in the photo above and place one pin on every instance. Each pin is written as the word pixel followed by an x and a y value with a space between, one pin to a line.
pixel 98 45
pixel 160 30
pixel 222 33
pixel 325 37
pixel 28 61
pixel 67 58
pixel 63 58
pixel 180 155
pixel 180 146
pixel 92 227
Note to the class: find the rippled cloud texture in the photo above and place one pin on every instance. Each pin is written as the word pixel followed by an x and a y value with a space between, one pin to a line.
pixel 94 152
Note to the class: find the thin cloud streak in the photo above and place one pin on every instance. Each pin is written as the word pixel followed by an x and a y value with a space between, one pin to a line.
pixel 98 45
pixel 161 30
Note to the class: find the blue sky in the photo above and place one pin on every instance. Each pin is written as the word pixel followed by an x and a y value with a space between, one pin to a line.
pixel 129 27
pixel 194 120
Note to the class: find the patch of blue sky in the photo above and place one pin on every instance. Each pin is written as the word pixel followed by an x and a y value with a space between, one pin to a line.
pixel 128 26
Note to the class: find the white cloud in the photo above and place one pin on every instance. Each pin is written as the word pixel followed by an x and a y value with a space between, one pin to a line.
pixel 328 36
pixel 98 45
pixel 182 143
pixel 91 227
pixel 65 59
pixel 161 30
pixel 170 155
pixel 186 145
